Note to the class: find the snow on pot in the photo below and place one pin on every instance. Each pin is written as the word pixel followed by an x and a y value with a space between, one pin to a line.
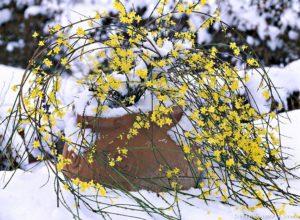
pixel 135 163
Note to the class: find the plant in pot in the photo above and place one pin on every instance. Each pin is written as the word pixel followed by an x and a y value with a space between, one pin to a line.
pixel 153 110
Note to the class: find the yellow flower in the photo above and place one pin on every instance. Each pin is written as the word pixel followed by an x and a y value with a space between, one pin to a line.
pixel 47 62
pixel 211 109
pixel 41 43
pixel 266 94
pixel 40 158
pixel 142 73
pixel 217 154
pixel 76 181
pixel 64 61
pixel 186 149
pixel 169 174
pixel 60 41
pixel 174 185
pixel 66 187
pixel 57 27
pixel 124 151
pixel 36 144
pixel 236 50
pixel 119 159
pixel 180 8
pixel 35 34
pixel 97 16
pixel 252 62
pixel 101 189
pixel 14 88
pixel 138 18
pixel 235 85
pixel 281 211
pixel 80 32
pixel 229 162
pixel 131 100
pixel 112 163
pixel 62 162
pixel 84 186
pixel 176 171
pixel 56 49
pixel 119 7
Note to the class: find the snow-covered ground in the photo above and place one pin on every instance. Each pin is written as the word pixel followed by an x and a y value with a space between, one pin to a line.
pixel 27 198
pixel 31 194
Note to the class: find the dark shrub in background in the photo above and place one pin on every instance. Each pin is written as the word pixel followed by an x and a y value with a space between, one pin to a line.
pixel 271 27
pixel 18 21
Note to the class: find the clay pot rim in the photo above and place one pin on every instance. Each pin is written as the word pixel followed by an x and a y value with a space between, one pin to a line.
pixel 114 122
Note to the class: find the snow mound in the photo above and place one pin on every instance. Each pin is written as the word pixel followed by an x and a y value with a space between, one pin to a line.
pixel 34 188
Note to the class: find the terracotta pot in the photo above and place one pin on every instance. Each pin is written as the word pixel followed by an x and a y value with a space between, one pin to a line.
pixel 147 151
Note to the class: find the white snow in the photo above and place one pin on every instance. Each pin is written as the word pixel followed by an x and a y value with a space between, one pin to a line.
pixel 31 195
pixel 9 76
pixel 286 80
pixel 38 201
pixel 5 16
pixel 15 44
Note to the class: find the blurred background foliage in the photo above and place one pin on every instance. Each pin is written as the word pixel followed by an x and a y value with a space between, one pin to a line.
pixel 271 27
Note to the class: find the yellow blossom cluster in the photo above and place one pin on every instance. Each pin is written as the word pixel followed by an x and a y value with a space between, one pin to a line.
pixel 62 162
pixel 121 154
pixel 228 141
pixel 84 186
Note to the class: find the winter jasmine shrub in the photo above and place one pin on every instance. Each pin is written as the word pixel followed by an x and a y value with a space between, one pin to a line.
pixel 150 66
